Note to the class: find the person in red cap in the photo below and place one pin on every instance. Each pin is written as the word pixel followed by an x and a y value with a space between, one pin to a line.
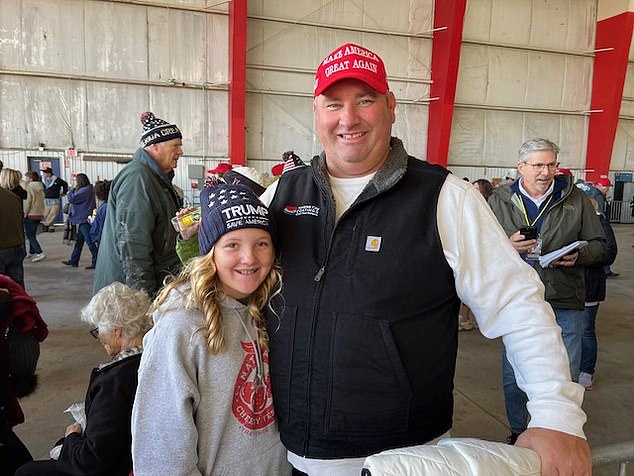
pixel 220 169
pixel 378 249
pixel 277 169
pixel 563 172
pixel 290 161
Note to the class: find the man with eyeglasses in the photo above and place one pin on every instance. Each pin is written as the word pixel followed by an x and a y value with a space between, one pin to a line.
pixel 542 212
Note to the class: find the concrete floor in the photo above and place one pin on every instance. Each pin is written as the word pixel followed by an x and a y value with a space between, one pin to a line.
pixel 69 353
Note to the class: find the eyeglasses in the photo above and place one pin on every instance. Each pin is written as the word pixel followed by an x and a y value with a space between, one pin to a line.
pixel 94 332
pixel 552 166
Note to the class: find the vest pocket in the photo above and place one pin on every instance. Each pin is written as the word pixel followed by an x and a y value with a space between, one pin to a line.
pixel 368 390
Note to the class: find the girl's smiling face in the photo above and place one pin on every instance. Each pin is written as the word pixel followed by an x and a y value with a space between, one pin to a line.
pixel 243 260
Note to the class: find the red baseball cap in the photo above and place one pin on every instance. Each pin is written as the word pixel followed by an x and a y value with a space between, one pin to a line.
pixel 351 61
pixel 221 168
pixel 277 169
pixel 563 172
pixel 604 182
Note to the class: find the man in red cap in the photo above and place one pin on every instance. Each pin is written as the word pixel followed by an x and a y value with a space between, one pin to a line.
pixel 220 169
pixel 378 249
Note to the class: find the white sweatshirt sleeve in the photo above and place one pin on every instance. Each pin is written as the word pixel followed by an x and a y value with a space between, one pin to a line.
pixel 507 299
pixel 164 434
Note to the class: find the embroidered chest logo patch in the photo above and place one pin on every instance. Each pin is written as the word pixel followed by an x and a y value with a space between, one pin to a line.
pixel 252 403
pixel 301 210
pixel 373 243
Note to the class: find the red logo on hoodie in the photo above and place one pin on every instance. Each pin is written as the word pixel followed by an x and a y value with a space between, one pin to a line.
pixel 252 398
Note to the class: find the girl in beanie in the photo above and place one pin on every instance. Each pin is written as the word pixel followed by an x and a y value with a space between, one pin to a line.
pixel 204 404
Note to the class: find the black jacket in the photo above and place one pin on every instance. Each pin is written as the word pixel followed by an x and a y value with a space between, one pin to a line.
pixel 58 188
pixel 363 349
pixel 595 275
pixel 105 448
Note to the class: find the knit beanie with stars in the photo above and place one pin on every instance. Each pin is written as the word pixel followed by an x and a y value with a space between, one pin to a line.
pixel 157 130
pixel 228 207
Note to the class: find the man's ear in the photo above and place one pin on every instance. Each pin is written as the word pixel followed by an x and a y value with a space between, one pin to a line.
pixel 391 104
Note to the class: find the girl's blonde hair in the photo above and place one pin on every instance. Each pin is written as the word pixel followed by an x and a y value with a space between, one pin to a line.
pixel 200 273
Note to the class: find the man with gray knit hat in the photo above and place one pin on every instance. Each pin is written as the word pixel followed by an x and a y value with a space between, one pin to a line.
pixel 137 244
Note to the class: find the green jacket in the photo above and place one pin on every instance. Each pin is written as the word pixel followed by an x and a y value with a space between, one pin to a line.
pixel 187 249
pixel 569 219
pixel 138 240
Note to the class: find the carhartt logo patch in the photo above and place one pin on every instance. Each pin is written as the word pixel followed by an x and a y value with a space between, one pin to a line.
pixel 373 243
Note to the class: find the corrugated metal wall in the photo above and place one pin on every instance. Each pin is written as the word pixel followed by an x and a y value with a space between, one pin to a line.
pixel 77 73
pixel 286 40
pixel 523 74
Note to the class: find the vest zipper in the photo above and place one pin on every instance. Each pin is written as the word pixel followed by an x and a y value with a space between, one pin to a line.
pixel 317 279
pixel 320 273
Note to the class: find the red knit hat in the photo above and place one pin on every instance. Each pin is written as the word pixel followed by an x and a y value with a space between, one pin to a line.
pixel 351 61
pixel 604 182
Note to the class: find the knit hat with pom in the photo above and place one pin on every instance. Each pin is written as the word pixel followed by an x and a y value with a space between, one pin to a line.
pixel 229 207
pixel 157 130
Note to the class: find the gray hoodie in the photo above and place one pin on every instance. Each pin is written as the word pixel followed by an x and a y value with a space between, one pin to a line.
pixel 198 413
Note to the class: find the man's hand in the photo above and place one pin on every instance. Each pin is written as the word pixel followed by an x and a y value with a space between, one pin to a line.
pixel 186 231
pixel 561 454
pixel 566 261
pixel 521 245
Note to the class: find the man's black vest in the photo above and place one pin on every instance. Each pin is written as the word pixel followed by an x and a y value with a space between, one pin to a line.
pixel 363 348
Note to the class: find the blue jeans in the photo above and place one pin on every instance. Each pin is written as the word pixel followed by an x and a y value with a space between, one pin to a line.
pixel 11 260
pixel 589 340
pixel 570 322
pixel 83 235
pixel 30 229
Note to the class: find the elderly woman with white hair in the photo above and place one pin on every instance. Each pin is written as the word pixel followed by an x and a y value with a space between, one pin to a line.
pixel 119 316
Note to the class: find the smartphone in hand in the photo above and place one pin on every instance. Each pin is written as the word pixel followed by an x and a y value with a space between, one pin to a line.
pixel 529 232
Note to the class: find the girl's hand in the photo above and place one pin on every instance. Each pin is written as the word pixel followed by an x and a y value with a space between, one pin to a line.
pixel 74 428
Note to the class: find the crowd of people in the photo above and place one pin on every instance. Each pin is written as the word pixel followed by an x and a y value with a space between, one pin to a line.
pixel 273 348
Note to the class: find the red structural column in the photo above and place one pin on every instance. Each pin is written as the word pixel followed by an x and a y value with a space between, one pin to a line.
pixel 445 59
pixel 237 80
pixel 608 79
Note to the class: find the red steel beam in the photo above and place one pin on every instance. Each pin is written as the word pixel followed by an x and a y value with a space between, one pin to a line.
pixel 610 68
pixel 445 60
pixel 237 80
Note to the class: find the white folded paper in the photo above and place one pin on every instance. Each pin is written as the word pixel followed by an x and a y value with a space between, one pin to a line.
pixel 548 258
